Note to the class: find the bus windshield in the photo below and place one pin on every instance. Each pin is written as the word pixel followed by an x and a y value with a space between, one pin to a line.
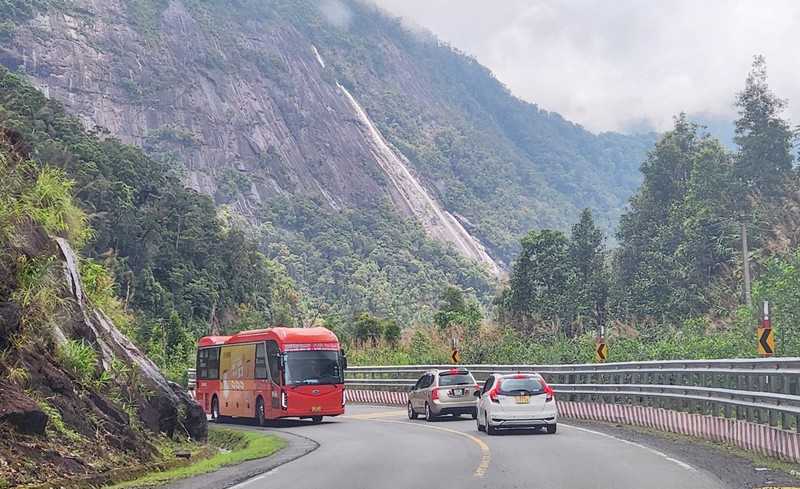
pixel 313 367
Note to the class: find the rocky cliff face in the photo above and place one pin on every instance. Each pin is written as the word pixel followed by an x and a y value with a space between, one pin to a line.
pixel 249 100
pixel 263 115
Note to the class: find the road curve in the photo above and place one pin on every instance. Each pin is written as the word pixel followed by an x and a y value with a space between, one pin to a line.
pixel 378 447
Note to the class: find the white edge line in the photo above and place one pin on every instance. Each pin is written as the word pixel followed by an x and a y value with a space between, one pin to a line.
pixel 255 479
pixel 651 450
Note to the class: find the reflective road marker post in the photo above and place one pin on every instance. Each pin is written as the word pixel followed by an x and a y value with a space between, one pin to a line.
pixel 766 337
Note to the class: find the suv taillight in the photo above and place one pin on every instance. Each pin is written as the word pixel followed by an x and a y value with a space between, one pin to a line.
pixel 435 393
pixel 547 390
pixel 493 393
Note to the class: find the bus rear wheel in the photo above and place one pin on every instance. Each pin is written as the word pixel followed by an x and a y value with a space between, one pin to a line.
pixel 215 409
pixel 260 415
pixel 316 419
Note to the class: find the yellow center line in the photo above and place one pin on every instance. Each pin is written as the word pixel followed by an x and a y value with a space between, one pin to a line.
pixel 486 457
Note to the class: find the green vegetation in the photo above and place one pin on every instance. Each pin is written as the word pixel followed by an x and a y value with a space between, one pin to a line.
pixel 56 426
pixel 674 287
pixel 79 358
pixel 145 15
pixel 178 271
pixel 679 261
pixel 361 260
pixel 238 445
pixel 21 9
pixel 559 279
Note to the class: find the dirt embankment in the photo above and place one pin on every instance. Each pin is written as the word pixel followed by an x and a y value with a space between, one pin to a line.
pixel 76 396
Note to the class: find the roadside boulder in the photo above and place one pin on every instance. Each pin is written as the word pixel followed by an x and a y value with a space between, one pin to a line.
pixel 194 420
pixel 21 412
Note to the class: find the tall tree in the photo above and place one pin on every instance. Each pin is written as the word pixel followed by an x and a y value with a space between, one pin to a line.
pixel 651 231
pixel 765 140
pixel 541 274
pixel 590 277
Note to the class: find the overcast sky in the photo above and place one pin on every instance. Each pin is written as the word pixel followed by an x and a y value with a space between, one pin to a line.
pixel 623 65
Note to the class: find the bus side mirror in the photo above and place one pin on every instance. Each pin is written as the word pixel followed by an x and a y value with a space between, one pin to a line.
pixel 344 359
pixel 281 362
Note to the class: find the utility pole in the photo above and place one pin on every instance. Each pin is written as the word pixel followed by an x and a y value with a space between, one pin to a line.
pixel 745 261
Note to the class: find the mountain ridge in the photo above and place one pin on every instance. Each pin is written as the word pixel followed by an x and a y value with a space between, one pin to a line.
pixel 233 98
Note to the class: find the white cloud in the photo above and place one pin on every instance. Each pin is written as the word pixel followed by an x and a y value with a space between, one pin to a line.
pixel 614 64
pixel 335 13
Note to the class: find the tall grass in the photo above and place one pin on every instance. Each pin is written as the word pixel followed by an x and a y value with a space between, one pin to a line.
pixel 492 344
pixel 80 359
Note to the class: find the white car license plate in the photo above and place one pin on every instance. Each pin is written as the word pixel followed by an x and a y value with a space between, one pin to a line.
pixel 523 399
pixel 458 392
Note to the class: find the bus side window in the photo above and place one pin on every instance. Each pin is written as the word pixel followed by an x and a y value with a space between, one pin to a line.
pixel 273 357
pixel 208 364
pixel 261 361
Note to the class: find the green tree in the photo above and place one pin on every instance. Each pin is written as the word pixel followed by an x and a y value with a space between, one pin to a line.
pixel 455 310
pixel 589 282
pixel 652 231
pixel 368 327
pixel 391 332
pixel 765 140
pixel 538 287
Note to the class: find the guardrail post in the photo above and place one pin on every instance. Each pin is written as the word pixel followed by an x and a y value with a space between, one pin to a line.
pixel 675 404
pixel 727 407
pixel 751 388
pixel 739 409
pixel 786 420
pixel 714 385
pixel 762 387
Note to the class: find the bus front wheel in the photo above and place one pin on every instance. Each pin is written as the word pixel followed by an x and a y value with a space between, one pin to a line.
pixel 260 415
pixel 316 419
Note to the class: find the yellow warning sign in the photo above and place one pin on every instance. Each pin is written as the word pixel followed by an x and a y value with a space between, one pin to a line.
pixel 455 357
pixel 600 351
pixel 766 342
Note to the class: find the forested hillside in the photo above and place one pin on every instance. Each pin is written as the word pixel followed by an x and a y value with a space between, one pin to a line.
pixel 679 268
pixel 248 101
pixel 675 286
pixel 161 248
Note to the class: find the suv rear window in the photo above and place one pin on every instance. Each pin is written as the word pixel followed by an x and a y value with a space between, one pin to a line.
pixel 455 379
pixel 525 386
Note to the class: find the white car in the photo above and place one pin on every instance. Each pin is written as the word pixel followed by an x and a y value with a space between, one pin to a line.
pixel 522 400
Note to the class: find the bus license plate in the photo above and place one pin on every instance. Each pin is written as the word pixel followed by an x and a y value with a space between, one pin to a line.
pixel 523 399
pixel 316 409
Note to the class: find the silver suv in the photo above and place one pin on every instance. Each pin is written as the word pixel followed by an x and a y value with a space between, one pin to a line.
pixel 440 392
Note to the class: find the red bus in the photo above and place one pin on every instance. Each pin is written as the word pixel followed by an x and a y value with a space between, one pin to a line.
pixel 271 373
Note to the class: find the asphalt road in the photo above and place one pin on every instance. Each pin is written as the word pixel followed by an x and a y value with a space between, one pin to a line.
pixel 378 447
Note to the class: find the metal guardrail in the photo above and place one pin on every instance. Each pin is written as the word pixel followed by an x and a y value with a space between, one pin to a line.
pixel 765 391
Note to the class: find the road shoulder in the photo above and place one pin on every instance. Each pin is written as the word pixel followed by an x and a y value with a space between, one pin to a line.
pixel 226 477
pixel 733 469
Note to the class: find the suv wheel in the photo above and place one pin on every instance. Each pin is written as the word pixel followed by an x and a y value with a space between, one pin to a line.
pixel 428 414
pixel 411 413
pixel 478 421
pixel 491 430
pixel 551 429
